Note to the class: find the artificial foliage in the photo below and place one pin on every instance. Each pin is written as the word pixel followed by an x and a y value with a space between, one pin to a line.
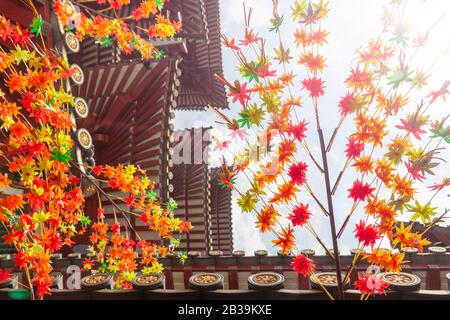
pixel 44 210
pixel 124 31
pixel 271 95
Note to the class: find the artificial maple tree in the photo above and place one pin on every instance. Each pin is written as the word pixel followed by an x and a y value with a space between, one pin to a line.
pixel 46 208
pixel 388 167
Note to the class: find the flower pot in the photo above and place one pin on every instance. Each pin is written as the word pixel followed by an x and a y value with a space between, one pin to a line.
pixel 238 253
pixel 74 255
pixel 261 253
pixel 281 254
pixel 328 280
pixel 193 254
pixel 56 256
pixel 437 250
pixel 150 281
pixel 206 281
pixel 97 281
pixel 216 253
pixel 401 281
pixel 266 281
pixel 75 258
pixel 309 252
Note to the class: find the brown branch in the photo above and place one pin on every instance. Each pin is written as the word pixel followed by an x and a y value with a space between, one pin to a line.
pixel 331 211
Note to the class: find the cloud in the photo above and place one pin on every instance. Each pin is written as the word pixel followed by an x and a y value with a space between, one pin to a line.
pixel 245 235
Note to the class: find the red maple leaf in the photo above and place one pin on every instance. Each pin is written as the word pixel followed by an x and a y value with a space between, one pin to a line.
pixel 315 86
pixel 354 148
pixel 231 44
pixel 298 131
pixel 297 173
pixel 443 92
pixel 137 14
pixel 42 287
pixel 97 170
pixel 371 284
pixel 17 82
pixel 366 234
pixel 21 36
pixel 348 104
pixel 415 172
pixel 239 92
pixel 5 29
pixel 100 213
pixel 302 265
pixel 50 240
pixel 300 215
pixel 115 228
pixel 412 126
pixel 360 191
pixel 4 275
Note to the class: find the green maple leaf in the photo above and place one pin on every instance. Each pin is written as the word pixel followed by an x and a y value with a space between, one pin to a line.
pixel 244 119
pixel 159 4
pixel 103 267
pixel 172 204
pixel 105 41
pixel 424 213
pixel 85 221
pixel 152 196
pixel 276 23
pixel 249 71
pixel 248 202
pixel 226 185
pixel 159 54
pixel 61 157
pixel 176 242
pixel 182 256
pixel 399 76
pixel 401 34
pixel 36 25
pixel 440 131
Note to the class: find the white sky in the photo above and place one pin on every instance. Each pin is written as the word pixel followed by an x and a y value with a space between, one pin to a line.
pixel 351 23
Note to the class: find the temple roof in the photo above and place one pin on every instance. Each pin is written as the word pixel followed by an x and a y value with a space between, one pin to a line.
pixel 128 113
pixel 202 61
pixel 221 219
pixel 198 46
pixel 191 188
